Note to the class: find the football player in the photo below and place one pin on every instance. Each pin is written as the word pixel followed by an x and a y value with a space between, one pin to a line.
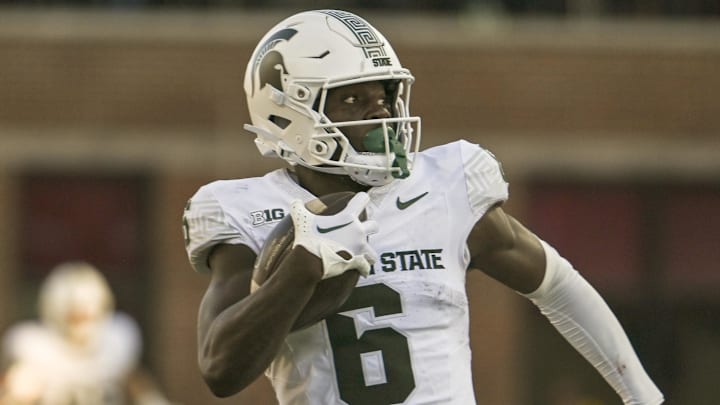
pixel 80 352
pixel 327 93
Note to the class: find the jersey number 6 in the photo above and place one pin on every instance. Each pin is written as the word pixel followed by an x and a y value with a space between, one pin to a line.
pixel 395 381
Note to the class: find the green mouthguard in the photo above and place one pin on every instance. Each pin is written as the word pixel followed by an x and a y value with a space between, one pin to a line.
pixel 375 142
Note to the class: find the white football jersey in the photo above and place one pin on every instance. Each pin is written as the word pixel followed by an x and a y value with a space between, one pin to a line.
pixel 63 373
pixel 402 337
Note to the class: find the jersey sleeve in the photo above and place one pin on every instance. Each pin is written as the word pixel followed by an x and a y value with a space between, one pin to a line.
pixel 483 178
pixel 206 224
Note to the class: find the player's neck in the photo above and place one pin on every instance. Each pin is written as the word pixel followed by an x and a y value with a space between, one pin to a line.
pixel 320 184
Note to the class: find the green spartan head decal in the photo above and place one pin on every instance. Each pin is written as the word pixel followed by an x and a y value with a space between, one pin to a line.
pixel 375 142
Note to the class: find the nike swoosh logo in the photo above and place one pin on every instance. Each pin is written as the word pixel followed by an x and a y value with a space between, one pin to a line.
pixel 332 228
pixel 404 204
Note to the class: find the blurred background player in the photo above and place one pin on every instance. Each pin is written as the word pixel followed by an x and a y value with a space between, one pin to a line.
pixel 80 352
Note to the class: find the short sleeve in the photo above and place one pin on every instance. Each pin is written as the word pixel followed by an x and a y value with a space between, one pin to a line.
pixel 483 178
pixel 206 224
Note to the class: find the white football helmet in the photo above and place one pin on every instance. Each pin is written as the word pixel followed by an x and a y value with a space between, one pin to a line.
pixel 286 84
pixel 75 300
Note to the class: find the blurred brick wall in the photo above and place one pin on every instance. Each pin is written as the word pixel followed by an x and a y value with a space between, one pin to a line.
pixel 105 82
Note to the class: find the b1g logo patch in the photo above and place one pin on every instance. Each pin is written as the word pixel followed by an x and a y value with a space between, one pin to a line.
pixel 267 216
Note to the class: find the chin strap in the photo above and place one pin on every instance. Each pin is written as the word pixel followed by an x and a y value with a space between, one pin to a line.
pixel 578 312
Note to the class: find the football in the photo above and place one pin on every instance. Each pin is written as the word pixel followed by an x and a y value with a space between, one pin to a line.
pixel 330 293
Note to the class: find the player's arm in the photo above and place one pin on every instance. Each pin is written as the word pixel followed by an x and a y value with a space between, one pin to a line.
pixel 505 250
pixel 240 333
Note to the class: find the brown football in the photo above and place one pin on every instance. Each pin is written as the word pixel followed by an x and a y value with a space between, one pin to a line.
pixel 330 293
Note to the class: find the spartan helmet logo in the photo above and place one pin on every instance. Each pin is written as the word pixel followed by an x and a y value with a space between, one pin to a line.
pixel 269 63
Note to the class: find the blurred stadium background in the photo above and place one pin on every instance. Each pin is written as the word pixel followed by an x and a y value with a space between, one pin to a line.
pixel 605 114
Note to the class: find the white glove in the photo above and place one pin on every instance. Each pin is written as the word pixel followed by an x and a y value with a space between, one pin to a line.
pixel 327 235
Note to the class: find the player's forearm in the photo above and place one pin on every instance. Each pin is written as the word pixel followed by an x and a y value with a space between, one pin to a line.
pixel 579 313
pixel 243 340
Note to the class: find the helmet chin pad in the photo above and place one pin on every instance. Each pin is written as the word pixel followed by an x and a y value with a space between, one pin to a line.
pixel 365 175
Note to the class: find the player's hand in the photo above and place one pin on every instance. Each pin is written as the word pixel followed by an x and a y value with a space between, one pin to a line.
pixel 327 236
